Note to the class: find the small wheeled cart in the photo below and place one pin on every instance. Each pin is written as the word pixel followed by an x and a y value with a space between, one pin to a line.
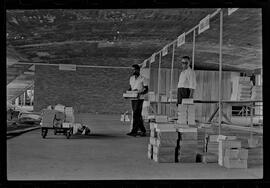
pixel 52 119
pixel 67 131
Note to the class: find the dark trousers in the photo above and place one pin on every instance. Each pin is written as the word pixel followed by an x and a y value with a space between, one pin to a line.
pixel 182 93
pixel 137 116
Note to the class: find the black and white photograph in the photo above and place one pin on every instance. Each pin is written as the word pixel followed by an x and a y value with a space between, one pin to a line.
pixel 134 94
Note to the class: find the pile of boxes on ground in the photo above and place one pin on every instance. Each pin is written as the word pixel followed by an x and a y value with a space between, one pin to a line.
pixel 170 143
pixel 61 116
pixel 174 142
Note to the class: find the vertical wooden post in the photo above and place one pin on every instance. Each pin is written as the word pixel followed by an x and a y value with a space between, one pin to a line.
pixel 220 70
pixel 171 84
pixel 159 75
pixel 193 49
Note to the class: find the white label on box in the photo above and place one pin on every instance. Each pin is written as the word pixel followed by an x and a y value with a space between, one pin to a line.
pixel 204 24
pixel 231 10
pixel 187 130
pixel 181 39
pixel 67 67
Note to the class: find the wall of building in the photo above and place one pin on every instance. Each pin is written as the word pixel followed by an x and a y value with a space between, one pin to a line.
pixel 88 90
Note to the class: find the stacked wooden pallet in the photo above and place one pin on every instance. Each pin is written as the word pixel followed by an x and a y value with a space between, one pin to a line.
pixel 130 94
pixel 186 112
pixel 256 93
pixel 163 142
pixel 188 145
pixel 231 155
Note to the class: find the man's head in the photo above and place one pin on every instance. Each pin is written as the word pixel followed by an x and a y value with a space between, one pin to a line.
pixel 185 62
pixel 136 69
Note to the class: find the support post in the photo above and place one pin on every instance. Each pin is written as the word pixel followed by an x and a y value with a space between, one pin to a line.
pixel 171 84
pixel 159 75
pixel 193 49
pixel 220 70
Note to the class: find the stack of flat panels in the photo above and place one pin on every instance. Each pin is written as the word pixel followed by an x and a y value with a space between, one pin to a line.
pixel 164 98
pixel 186 112
pixel 255 141
pixel 201 140
pixel 209 158
pixel 223 146
pixel 256 93
pixel 255 156
pixel 212 144
pixel 163 142
pixel 152 96
pixel 70 117
pixel 161 119
pixel 235 158
pixel 188 145
pixel 241 88
pixel 130 94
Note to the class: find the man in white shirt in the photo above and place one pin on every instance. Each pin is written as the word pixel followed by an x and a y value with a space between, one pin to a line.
pixel 137 83
pixel 187 81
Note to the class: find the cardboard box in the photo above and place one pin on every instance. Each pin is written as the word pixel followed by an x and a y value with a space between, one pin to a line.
pixel 236 153
pixel 187 159
pixel 210 158
pixel 166 142
pixel 164 150
pixel 173 135
pixel 66 125
pixel 226 144
pixel 187 130
pixel 163 158
pixel 188 135
pixel 235 163
pixel 188 101
pixel 164 98
pixel 191 114
pixel 161 119
pixel 130 95
pixel 188 143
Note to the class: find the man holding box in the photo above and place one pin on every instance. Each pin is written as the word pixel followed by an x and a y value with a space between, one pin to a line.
pixel 187 81
pixel 137 83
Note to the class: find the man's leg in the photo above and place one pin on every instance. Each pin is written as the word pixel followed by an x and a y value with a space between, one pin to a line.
pixel 140 123
pixel 135 116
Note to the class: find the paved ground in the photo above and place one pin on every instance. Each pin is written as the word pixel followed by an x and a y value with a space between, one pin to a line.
pixel 107 154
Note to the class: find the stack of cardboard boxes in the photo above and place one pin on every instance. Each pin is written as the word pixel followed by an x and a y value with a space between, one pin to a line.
pixel 211 148
pixel 231 155
pixel 130 94
pixel 188 145
pixel 163 142
pixel 186 112
pixel 256 93
pixel 242 87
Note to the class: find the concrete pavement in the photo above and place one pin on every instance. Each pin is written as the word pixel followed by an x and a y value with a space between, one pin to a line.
pixel 107 154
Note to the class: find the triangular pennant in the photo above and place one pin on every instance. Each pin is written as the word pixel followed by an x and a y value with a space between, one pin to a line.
pixel 181 39
pixel 165 51
pixel 153 58
pixel 204 24
pixel 231 10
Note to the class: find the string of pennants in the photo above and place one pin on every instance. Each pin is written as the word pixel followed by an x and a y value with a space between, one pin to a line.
pixel 203 25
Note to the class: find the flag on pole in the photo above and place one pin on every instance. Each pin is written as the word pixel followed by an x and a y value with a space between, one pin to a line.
pixel 165 51
pixel 152 58
pixel 181 39
pixel 204 24
pixel 231 10
pixel 144 64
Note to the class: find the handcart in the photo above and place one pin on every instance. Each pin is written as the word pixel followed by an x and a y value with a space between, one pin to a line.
pixel 53 119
